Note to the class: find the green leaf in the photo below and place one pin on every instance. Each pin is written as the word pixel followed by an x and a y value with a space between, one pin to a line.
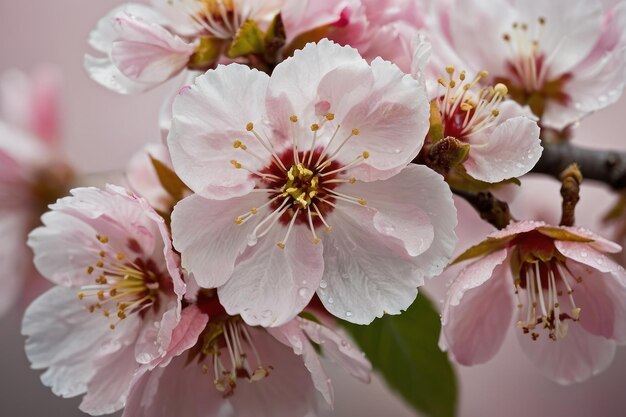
pixel 249 40
pixel 208 51
pixel 169 180
pixel 404 350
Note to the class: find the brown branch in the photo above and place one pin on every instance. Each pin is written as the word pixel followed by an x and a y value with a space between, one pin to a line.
pixel 492 210
pixel 608 167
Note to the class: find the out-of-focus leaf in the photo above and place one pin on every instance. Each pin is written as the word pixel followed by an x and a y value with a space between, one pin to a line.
pixel 275 39
pixel 404 350
pixel 169 180
pixel 208 51
pixel 249 40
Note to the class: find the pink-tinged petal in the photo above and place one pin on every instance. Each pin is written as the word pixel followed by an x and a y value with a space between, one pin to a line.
pixel 49 323
pixel 422 53
pixel 510 151
pixel 143 178
pixel 103 72
pixel 494 18
pixel 597 85
pixel 208 118
pixel 319 79
pixel 517 228
pixel 585 254
pixel 286 392
pixel 146 52
pixel 602 300
pixel 398 209
pixel 108 391
pixel 60 249
pixel 269 285
pixel 599 243
pixel 192 323
pixel 478 311
pixel 291 334
pixel 439 206
pixel 572 28
pixel 206 235
pixel 179 389
pixel 338 349
pixel 366 274
pixel 303 16
pixel 31 101
pixel 575 358
pixel 105 33
pixel 393 122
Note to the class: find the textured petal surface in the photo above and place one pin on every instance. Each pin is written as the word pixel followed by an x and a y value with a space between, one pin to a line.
pixel 269 285
pixel 478 311
pixel 208 118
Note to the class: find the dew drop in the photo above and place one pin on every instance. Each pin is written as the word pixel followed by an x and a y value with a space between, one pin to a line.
pixel 331 300
pixel 348 314
pixel 583 254
pixel 302 292
pixel 323 284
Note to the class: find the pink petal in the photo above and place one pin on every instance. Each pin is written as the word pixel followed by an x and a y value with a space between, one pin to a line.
pixel 585 254
pixel 572 28
pixel 286 392
pixel 337 348
pixel 398 209
pixel 270 286
pixel 602 300
pixel 179 389
pixel 206 235
pixel 478 310
pixel 577 357
pixel 208 118
pixel 103 72
pixel 510 151
pixel 292 335
pixel 146 52
pixel 366 274
pixel 393 121
pixel 49 322
pixel 143 178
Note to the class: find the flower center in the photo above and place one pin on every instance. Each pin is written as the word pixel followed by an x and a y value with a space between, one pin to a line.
pixel 217 18
pixel 465 109
pixel 547 282
pixel 122 286
pixel 227 351
pixel 528 68
pixel 307 191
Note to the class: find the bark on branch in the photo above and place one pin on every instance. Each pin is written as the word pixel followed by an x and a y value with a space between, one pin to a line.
pixel 608 167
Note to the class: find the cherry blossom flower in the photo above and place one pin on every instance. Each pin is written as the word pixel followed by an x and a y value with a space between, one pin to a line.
pixel 570 299
pixel 503 136
pixel 144 46
pixel 563 58
pixel 117 299
pixel 302 185
pixel 33 173
pixel 218 363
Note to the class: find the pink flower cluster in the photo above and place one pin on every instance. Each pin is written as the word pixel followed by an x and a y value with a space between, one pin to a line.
pixel 287 197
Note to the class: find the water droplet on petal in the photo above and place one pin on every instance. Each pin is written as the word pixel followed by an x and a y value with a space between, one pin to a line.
pixel 583 254
pixel 323 284
pixel 331 300
pixel 303 292
pixel 348 314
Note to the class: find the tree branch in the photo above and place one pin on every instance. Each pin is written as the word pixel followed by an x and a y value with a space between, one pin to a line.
pixel 608 167
pixel 492 210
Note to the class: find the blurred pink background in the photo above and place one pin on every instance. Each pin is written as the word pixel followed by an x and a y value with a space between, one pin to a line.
pixel 102 130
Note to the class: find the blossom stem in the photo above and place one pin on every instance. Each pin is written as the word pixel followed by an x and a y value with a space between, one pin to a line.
pixel 492 210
